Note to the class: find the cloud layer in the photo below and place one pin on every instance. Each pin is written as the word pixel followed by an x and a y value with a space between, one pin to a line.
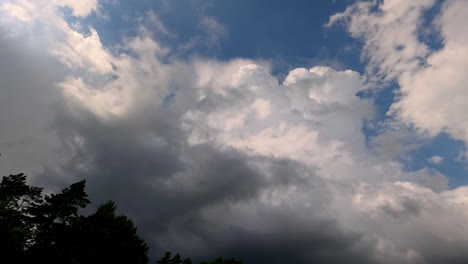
pixel 221 158
pixel 397 46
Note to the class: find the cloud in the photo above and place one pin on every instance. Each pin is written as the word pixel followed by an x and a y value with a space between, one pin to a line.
pixel 156 24
pixel 28 141
pixel 431 95
pixel 212 33
pixel 79 8
pixel 219 157
pixel 390 33
pixel 435 159
pixel 214 29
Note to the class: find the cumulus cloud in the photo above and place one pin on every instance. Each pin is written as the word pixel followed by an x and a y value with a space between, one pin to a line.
pixel 221 158
pixel 436 159
pixel 432 92
pixel 390 33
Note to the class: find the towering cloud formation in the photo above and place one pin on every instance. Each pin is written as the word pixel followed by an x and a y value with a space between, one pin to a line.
pixel 215 157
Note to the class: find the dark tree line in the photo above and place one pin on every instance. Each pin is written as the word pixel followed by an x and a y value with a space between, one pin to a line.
pixel 38 228
pixel 168 258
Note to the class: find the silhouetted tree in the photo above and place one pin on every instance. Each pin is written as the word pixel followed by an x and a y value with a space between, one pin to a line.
pixel 17 199
pixel 37 229
pixel 223 261
pixel 53 221
pixel 169 259
pixel 105 237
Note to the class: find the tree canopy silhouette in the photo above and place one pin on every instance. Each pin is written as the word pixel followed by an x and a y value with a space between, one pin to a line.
pixel 37 228
pixel 221 260
pixel 176 259
pixel 168 258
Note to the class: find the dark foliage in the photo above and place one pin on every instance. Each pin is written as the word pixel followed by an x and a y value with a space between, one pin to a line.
pixel 169 259
pixel 17 200
pixel 223 261
pixel 176 259
pixel 48 229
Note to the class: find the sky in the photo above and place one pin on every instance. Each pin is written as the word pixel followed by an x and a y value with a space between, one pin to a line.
pixel 274 131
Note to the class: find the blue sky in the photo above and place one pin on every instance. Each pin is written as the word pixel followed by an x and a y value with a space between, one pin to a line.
pixel 251 30
pixel 212 123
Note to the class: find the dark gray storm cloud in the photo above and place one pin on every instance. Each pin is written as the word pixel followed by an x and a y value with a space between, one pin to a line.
pixel 27 103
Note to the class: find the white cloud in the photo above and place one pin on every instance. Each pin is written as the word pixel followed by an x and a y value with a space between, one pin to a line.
pixel 79 51
pixel 212 26
pixel 156 23
pixel 27 10
pixel 22 9
pixel 262 108
pixel 213 33
pixel 432 95
pixel 391 45
pixel 435 159
pixel 79 8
